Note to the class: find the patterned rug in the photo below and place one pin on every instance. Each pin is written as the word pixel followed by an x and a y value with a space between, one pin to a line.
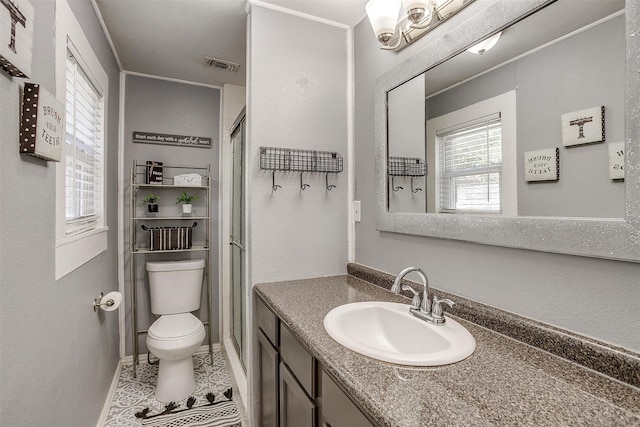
pixel 210 405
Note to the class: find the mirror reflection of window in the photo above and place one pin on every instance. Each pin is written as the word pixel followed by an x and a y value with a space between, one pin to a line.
pixel 470 167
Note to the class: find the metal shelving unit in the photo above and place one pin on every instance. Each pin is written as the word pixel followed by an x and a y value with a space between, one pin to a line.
pixel 138 172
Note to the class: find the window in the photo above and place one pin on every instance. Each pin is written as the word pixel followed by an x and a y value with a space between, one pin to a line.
pixel 83 150
pixel 82 84
pixel 473 151
pixel 470 166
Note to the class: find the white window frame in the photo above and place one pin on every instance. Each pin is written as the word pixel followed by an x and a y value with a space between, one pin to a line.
pixel 72 252
pixel 505 104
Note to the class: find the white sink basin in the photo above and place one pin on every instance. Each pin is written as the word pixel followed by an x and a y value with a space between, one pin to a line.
pixel 386 331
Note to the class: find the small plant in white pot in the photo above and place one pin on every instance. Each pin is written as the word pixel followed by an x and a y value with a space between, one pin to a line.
pixel 186 199
pixel 152 203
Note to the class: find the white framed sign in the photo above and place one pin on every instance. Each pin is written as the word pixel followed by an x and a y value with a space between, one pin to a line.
pixel 16 37
pixel 583 126
pixel 542 165
pixel 41 123
pixel 616 160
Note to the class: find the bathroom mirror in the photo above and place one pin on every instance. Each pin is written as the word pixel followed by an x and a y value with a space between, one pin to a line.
pixel 573 214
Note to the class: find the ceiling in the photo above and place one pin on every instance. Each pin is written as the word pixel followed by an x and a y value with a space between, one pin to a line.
pixel 171 38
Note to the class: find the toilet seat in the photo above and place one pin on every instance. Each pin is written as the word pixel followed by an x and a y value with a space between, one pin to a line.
pixel 171 327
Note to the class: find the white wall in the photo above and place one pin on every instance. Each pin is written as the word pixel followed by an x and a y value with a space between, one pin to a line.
pixel 574 293
pixel 57 356
pixel 297 99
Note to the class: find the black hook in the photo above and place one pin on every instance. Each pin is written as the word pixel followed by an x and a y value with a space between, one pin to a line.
pixel 274 186
pixel 303 186
pixel 326 180
pixel 393 186
pixel 417 189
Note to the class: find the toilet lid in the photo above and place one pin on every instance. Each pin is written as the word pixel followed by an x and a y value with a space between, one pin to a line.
pixel 172 326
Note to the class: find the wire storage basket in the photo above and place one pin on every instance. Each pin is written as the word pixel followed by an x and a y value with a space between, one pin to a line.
pixel 298 160
pixel 407 166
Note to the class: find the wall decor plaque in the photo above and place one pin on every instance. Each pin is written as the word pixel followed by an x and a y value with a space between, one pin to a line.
pixel 167 139
pixel 42 123
pixel 616 160
pixel 583 126
pixel 16 37
pixel 542 165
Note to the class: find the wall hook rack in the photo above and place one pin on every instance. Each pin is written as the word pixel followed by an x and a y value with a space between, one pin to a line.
pixel 303 186
pixel 326 180
pixel 299 160
pixel 274 186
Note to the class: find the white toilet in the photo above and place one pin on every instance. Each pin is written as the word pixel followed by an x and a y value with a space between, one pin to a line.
pixel 175 288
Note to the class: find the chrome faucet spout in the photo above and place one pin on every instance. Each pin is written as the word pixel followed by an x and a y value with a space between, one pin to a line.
pixel 397 287
pixel 422 308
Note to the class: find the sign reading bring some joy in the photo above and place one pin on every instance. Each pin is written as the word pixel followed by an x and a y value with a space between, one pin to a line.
pixel 16 37
pixel 166 139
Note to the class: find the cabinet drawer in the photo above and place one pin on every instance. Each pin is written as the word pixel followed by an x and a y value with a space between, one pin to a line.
pixel 267 321
pixel 337 409
pixel 296 409
pixel 298 359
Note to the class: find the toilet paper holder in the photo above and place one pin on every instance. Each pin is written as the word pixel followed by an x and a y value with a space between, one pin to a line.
pixel 97 302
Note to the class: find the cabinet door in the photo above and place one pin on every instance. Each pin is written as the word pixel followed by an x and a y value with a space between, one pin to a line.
pixel 296 409
pixel 337 409
pixel 268 360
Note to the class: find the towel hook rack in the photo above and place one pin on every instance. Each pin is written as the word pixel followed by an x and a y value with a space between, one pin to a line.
pixel 326 180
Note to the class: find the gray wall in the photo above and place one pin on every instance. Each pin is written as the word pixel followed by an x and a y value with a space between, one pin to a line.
pixel 297 99
pixel 57 356
pixel 566 291
pixel 584 71
pixel 161 106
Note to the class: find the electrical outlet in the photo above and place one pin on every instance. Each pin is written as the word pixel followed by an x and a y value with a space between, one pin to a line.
pixel 356 210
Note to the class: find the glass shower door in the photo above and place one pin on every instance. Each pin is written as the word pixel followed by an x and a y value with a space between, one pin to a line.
pixel 237 239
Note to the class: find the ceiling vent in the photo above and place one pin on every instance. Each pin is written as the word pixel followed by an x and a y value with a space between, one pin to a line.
pixel 219 63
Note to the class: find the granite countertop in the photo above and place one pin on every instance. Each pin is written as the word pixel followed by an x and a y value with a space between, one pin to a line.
pixel 504 382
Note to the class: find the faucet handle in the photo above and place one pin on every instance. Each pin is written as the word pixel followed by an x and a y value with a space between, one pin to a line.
pixel 415 301
pixel 436 308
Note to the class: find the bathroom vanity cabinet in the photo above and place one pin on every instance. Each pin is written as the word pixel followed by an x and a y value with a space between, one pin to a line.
pixel 294 389
pixel 166 187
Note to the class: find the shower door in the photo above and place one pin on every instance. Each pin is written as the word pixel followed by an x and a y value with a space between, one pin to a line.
pixel 237 239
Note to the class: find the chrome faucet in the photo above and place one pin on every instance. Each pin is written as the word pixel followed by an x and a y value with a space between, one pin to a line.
pixel 422 308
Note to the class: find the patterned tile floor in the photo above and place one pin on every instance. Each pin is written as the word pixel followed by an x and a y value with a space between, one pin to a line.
pixel 134 394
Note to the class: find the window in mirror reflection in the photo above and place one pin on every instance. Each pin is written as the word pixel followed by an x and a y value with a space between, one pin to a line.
pixel 470 167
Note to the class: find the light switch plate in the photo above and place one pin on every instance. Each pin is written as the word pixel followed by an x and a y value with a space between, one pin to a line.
pixel 356 210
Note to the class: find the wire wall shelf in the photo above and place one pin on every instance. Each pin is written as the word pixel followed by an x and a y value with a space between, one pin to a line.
pixel 297 160
pixel 407 166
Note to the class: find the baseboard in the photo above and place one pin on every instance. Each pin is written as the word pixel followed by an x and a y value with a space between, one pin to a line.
pixel 109 399
pixel 201 350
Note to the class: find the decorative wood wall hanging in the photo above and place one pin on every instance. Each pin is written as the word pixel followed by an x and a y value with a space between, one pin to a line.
pixel 616 160
pixel 16 37
pixel 41 124
pixel 583 126
pixel 166 139
pixel 542 165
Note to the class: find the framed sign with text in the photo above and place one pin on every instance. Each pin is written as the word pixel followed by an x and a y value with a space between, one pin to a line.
pixel 542 165
pixel 16 37
pixel 167 139
pixel 41 123
pixel 583 126
pixel 616 160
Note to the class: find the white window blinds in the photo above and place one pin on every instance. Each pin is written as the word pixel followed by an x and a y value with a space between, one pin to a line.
pixel 84 149
pixel 470 166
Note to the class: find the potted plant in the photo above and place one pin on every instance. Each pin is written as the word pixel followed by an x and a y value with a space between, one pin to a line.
pixel 152 203
pixel 186 200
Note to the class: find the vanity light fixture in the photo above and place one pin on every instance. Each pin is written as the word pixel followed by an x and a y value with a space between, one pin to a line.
pixel 421 16
pixel 485 45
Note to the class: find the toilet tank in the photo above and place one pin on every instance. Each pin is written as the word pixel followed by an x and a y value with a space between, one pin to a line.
pixel 175 286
